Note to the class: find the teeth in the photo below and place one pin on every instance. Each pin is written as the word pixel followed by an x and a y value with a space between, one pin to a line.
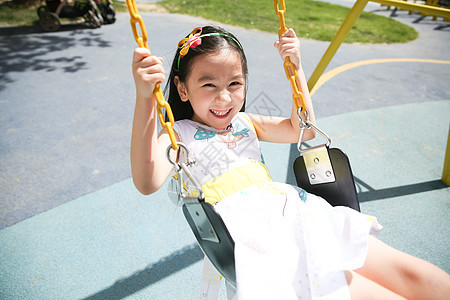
pixel 220 114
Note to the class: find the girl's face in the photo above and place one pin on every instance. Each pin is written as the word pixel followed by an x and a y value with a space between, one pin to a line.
pixel 215 87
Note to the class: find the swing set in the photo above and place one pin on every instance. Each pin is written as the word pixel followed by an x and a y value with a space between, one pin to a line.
pixel 319 170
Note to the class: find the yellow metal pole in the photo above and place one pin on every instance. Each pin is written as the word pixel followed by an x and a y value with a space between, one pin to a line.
pixel 446 171
pixel 351 18
pixel 424 9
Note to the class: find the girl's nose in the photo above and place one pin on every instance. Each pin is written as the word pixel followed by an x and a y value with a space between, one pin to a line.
pixel 223 97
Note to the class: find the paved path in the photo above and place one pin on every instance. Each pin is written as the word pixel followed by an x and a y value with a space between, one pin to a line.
pixel 73 226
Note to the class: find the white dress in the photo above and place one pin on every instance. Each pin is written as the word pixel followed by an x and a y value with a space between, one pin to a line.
pixel 288 244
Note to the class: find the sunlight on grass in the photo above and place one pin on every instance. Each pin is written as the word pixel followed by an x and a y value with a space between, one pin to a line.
pixel 310 19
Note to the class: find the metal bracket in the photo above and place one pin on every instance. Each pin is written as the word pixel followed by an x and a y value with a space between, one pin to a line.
pixel 318 165
pixel 316 158
pixel 193 202
pixel 201 221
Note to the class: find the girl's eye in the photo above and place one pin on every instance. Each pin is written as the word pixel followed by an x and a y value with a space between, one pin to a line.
pixel 208 85
pixel 235 83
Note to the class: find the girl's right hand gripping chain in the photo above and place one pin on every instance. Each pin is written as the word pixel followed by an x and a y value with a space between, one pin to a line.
pixel 149 164
pixel 147 72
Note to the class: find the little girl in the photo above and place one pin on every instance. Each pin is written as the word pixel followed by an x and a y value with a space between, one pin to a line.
pixel 288 244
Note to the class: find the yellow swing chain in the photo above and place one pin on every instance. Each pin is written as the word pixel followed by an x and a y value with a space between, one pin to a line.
pixel 289 67
pixel 161 102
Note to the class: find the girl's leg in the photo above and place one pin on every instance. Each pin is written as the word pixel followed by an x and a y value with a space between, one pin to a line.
pixel 404 274
pixel 363 288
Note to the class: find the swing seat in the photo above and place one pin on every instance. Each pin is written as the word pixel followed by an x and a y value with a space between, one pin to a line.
pixel 340 192
pixel 214 238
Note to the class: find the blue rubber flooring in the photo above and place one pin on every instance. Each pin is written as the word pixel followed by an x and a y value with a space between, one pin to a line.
pixel 116 243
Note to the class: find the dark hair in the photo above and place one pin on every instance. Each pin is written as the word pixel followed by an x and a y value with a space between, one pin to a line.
pixel 182 66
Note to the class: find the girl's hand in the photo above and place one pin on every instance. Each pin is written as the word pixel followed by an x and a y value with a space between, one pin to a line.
pixel 147 72
pixel 289 46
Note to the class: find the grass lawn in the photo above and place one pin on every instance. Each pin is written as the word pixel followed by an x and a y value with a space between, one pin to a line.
pixel 310 19
pixel 12 15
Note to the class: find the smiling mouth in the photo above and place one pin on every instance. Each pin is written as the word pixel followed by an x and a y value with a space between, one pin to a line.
pixel 220 114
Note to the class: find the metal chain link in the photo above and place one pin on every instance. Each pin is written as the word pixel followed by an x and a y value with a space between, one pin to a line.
pixel 289 67
pixel 161 102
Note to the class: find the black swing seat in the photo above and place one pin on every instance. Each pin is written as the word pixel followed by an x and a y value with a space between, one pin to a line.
pixel 214 238
pixel 341 192
pixel 217 245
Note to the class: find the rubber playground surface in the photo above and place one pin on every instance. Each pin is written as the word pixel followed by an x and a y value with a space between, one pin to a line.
pixel 72 225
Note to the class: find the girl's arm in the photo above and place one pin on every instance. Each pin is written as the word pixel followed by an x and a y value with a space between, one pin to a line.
pixel 149 164
pixel 284 130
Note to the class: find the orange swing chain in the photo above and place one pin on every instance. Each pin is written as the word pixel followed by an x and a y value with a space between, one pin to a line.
pixel 161 102
pixel 289 67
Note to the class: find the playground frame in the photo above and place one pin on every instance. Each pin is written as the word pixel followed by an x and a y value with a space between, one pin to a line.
pixel 351 18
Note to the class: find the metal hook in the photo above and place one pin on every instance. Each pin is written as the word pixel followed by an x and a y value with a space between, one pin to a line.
pixel 307 124
pixel 183 168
